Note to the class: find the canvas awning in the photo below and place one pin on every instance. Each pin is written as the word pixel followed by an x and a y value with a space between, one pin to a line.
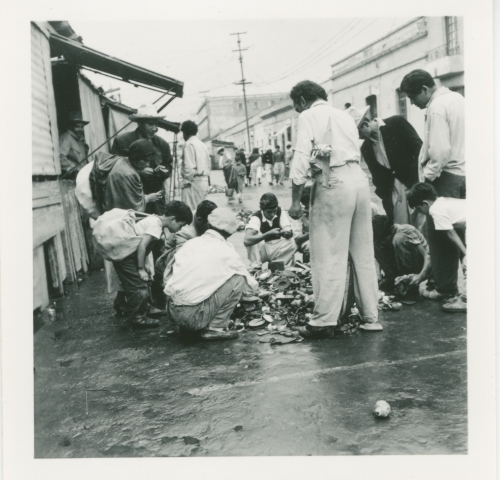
pixel 91 59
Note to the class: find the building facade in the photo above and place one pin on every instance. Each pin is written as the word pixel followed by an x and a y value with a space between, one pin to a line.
pixel 372 75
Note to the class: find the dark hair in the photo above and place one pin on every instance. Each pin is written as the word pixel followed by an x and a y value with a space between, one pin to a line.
pixel 309 91
pixel 204 209
pixel 255 150
pixel 189 128
pixel 419 193
pixel 382 228
pixel 140 150
pixel 180 211
pixel 239 156
pixel 347 105
pixel 306 196
pixel 278 147
pixel 220 150
pixel 414 81
pixel 289 146
pixel 268 201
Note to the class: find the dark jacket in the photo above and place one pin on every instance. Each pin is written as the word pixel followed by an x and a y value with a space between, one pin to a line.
pixel 268 157
pixel 402 145
pixel 163 157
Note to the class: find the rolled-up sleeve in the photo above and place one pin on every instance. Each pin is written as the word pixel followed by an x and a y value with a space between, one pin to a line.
pixel 302 153
pixel 439 147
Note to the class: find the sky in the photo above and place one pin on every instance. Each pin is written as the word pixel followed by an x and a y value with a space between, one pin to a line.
pixel 201 54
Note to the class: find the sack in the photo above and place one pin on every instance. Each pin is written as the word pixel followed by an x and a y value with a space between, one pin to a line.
pixel 114 234
pixel 229 192
pixel 83 191
pixel 103 164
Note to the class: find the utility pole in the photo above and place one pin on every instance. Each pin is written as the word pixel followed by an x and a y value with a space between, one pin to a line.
pixel 243 83
pixel 208 113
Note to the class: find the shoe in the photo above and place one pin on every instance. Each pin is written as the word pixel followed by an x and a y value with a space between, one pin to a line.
pixel 457 305
pixel 154 312
pixel 240 200
pixel 372 327
pixel 435 295
pixel 219 335
pixel 309 331
pixel 145 322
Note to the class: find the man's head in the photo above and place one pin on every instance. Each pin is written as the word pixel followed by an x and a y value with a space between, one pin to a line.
pixel 204 209
pixel 147 127
pixel 269 205
pixel 288 147
pixel 188 129
pixel 278 148
pixel 223 221
pixel 255 151
pixel 305 93
pixel 367 128
pixel 347 105
pixel 177 214
pixel 238 158
pixel 421 197
pixel 140 154
pixel 76 123
pixel 382 228
pixel 419 87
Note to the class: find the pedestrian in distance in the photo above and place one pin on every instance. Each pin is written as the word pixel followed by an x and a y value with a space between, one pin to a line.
pixel 448 216
pixel 133 271
pixel 255 161
pixel 195 167
pixel 338 229
pixel 279 165
pixel 288 161
pixel 442 164
pixel 208 280
pixel 238 176
pixel 268 161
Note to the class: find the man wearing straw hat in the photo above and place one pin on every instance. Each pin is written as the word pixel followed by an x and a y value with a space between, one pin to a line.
pixel 160 164
pixel 340 213
pixel 72 147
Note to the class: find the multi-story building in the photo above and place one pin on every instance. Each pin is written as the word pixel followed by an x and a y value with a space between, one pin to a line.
pixel 217 114
pixel 372 75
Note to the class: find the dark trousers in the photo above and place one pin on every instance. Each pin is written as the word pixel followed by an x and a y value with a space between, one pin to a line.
pixel 445 256
pixel 136 289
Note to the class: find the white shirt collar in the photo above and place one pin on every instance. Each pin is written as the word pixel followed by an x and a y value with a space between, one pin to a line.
pixel 264 218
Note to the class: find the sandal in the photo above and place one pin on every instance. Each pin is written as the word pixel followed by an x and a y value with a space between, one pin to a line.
pixel 145 322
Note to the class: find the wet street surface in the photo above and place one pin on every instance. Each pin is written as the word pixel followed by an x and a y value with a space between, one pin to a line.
pixel 105 390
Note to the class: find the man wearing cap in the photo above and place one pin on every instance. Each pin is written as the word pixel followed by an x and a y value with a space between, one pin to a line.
pixel 391 150
pixel 195 166
pixel 208 280
pixel 72 147
pixel 159 168
pixel 340 212
pixel 442 164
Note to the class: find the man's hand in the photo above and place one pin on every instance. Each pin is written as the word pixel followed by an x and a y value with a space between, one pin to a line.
pixel 287 234
pixel 295 211
pixel 273 234
pixel 144 275
pixel 154 197
pixel 148 172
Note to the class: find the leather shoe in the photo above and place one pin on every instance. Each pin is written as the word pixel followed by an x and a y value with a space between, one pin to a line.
pixel 309 331
pixel 154 312
pixel 219 334
pixel 373 327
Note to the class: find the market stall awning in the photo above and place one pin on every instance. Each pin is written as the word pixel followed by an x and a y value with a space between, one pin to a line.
pixel 93 60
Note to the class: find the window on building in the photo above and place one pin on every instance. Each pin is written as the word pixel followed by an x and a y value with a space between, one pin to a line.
pixel 289 134
pixel 372 102
pixel 460 90
pixel 255 104
pixel 240 106
pixel 452 46
pixel 402 105
pixel 272 102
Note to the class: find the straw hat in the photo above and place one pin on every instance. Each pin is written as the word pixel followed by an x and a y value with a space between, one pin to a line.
pixel 224 219
pixel 146 112
pixel 76 117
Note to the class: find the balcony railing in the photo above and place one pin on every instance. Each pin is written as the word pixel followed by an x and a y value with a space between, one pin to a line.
pixel 445 50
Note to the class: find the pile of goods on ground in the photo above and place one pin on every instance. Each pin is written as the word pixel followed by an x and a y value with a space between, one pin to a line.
pixel 217 189
pixel 285 300
pixel 243 217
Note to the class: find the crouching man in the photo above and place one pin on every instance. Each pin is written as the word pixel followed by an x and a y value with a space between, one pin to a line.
pixel 208 280
pixel 268 235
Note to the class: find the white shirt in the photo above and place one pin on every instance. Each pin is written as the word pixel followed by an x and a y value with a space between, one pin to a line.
pixel 443 148
pixel 314 124
pixel 150 226
pixel 196 160
pixel 202 266
pixel 446 212
pixel 254 223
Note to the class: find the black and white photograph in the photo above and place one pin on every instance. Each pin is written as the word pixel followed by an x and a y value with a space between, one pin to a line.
pixel 249 244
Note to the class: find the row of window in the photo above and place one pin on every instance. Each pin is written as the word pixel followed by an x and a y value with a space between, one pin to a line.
pixel 262 104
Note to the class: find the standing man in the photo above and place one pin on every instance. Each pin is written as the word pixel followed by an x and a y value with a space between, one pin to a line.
pixel 288 161
pixel 340 213
pixel 195 166
pixel 391 150
pixel 72 147
pixel 279 165
pixel 160 165
pixel 267 161
pixel 442 164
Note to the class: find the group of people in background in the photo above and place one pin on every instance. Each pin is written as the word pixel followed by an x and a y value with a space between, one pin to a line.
pixel 421 184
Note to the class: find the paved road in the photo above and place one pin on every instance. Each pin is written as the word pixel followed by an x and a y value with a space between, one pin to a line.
pixel 104 390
